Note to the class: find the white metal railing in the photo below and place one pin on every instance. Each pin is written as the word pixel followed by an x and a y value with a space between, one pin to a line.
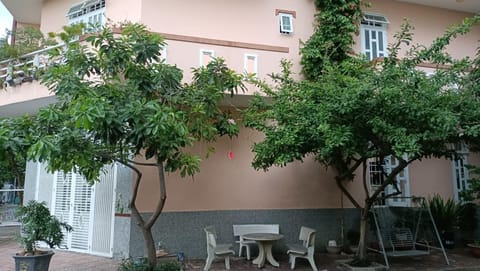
pixel 18 70
pixel 10 200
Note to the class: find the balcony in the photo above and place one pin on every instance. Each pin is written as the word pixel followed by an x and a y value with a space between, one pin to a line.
pixel 22 92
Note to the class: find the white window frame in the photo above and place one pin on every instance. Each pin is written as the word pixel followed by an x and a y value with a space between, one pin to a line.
pixel 402 178
pixel 460 172
pixel 377 24
pixel 83 12
pixel 204 52
pixel 163 54
pixel 246 59
pixel 284 29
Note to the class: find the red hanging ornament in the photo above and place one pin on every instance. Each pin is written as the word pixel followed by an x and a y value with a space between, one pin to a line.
pixel 230 155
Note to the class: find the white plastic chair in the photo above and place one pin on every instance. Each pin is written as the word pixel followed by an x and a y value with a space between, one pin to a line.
pixel 216 250
pixel 305 250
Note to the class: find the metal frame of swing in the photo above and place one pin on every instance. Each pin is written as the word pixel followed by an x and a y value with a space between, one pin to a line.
pixel 406 239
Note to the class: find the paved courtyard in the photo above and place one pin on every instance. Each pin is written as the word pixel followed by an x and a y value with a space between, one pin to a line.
pixel 460 260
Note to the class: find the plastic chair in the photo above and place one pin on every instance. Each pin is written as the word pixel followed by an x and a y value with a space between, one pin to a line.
pixel 216 250
pixel 305 250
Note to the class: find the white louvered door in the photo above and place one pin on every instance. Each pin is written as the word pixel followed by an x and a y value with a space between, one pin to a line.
pixel 72 204
pixel 104 204
pixel 82 205
pixel 88 209
pixel 61 200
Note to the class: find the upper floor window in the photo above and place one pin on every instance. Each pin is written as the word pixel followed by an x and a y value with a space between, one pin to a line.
pixel 285 20
pixel 286 23
pixel 250 64
pixel 206 56
pixel 90 12
pixel 374 35
pixel 163 54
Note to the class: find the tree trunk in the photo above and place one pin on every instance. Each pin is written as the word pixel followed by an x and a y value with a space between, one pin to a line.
pixel 362 246
pixel 150 245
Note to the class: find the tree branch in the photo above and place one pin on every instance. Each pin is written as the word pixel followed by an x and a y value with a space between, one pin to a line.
pixel 390 179
pixel 349 196
pixel 136 184
pixel 143 164
pixel 364 176
pixel 163 197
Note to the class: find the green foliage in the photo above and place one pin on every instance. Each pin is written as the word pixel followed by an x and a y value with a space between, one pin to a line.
pixel 39 225
pixel 332 40
pixel 27 39
pixel 450 216
pixel 348 110
pixel 15 137
pixel 446 213
pixel 133 103
pixel 142 265
pixel 118 100
pixel 473 191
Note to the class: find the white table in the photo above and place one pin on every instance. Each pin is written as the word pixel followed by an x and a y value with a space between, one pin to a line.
pixel 265 242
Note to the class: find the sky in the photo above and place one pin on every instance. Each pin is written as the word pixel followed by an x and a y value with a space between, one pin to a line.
pixel 5 20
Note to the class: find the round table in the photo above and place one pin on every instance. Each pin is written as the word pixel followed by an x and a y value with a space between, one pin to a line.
pixel 265 242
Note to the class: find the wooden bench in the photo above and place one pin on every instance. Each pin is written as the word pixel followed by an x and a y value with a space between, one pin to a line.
pixel 240 230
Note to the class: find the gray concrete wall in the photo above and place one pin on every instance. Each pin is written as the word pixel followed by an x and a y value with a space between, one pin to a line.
pixel 122 224
pixel 33 171
pixel 30 181
pixel 183 231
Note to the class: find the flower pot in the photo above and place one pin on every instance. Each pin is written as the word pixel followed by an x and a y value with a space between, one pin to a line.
pixel 33 263
pixel 475 249
pixel 334 249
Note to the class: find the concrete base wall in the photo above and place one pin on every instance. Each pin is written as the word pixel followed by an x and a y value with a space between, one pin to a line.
pixel 183 231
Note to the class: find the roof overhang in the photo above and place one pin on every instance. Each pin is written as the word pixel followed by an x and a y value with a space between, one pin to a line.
pixel 29 107
pixel 470 6
pixel 25 11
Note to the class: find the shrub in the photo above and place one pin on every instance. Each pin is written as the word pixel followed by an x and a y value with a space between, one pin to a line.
pixel 141 264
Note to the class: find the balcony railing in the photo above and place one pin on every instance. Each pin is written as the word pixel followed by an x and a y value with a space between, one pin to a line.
pixel 10 200
pixel 25 68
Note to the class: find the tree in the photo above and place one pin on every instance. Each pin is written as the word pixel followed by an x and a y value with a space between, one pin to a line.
pixel 27 39
pixel 117 100
pixel 349 111
pixel 15 139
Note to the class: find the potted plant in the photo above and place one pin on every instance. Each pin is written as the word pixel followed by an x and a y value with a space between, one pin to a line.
pixel 475 248
pixel 446 214
pixel 332 247
pixel 38 225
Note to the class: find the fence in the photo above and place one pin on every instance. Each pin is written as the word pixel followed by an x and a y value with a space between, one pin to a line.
pixel 10 200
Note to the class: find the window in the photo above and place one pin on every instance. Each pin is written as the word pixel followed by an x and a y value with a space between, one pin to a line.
pixel 286 23
pixel 377 172
pixel 163 54
pixel 206 56
pixel 460 171
pixel 374 35
pixel 90 12
pixel 376 176
pixel 250 64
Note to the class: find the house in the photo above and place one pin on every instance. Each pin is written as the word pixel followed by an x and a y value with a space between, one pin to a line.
pixel 252 36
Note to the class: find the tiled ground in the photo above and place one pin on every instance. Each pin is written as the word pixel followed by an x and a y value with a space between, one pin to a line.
pixel 61 261
pixel 460 259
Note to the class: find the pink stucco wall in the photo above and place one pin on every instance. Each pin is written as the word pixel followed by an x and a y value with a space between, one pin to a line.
pixel 429 23
pixel 233 184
